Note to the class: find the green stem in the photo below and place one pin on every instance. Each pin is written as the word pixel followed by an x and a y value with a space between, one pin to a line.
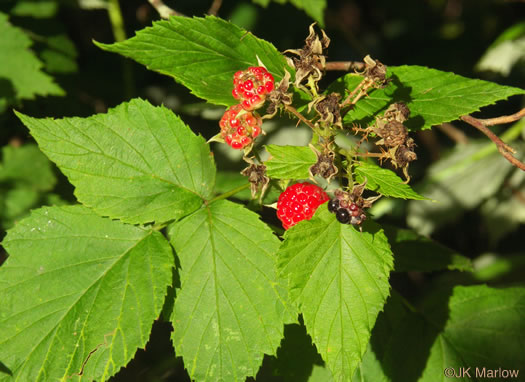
pixel 117 23
pixel 119 34
pixel 230 193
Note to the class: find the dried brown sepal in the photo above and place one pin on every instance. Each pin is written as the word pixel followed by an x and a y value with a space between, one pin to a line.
pixel 402 155
pixel 405 153
pixel 375 70
pixel 397 112
pixel 279 96
pixel 392 133
pixel 328 109
pixel 310 61
pixel 396 144
pixel 324 167
pixel 256 174
pixel 374 77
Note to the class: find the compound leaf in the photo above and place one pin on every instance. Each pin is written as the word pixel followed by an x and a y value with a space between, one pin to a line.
pixel 21 76
pixel 86 301
pixel 231 308
pixel 338 277
pixel 137 163
pixel 384 181
pixel 203 54
pixel 432 96
pixel 289 162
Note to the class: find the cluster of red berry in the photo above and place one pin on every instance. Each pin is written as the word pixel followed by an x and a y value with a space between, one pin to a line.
pixel 240 124
pixel 299 202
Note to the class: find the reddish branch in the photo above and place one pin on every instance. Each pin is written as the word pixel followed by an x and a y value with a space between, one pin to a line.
pixel 345 66
pixel 503 148
pixel 214 8
pixel 504 119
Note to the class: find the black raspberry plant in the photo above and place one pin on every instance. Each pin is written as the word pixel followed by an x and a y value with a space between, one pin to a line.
pixel 157 236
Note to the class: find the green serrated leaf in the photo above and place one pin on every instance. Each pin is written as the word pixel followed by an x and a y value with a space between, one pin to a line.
pixel 21 76
pixel 137 163
pixel 413 252
pixel 432 96
pixel 384 181
pixel 87 302
pixel 213 48
pixel 289 162
pixel 231 307
pixel 338 277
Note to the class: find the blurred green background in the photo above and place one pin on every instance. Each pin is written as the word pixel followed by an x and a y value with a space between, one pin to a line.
pixel 49 67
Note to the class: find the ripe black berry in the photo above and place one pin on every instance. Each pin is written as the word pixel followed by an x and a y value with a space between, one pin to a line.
pixel 333 205
pixel 342 215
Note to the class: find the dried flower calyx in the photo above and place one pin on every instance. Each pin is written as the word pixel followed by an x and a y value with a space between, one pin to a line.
pixel 279 96
pixel 324 167
pixel 328 109
pixel 399 147
pixel 310 61
pixel 375 70
pixel 256 174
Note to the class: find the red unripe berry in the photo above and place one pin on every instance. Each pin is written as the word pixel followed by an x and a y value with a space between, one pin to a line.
pixel 254 81
pixel 239 127
pixel 299 202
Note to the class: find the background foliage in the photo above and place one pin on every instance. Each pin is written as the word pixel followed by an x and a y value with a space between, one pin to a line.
pixel 47 52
